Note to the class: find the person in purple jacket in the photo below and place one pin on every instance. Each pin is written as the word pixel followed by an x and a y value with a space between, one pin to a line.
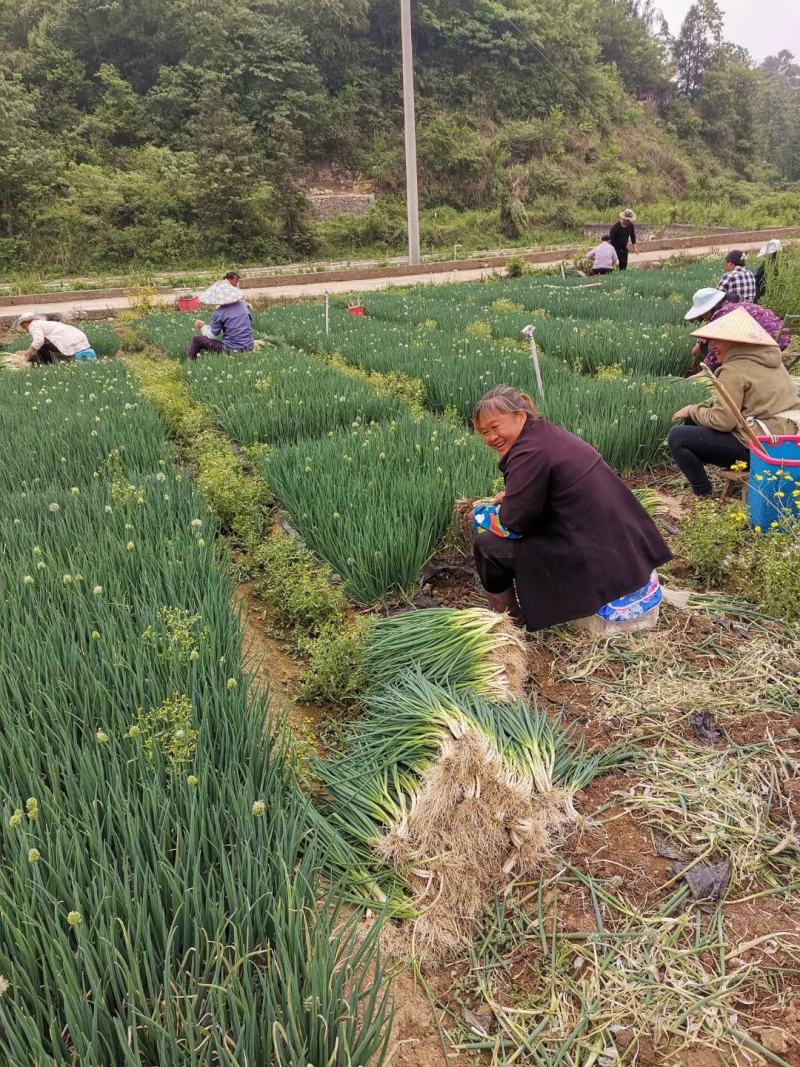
pixel 231 328
pixel 584 540
pixel 708 305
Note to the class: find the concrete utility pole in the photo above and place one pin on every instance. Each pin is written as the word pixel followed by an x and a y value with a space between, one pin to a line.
pixel 412 196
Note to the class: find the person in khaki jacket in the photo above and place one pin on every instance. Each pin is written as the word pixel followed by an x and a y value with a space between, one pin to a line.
pixel 752 371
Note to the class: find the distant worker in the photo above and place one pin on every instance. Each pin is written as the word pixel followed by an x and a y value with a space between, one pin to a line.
pixel 738 283
pixel 752 371
pixel 769 262
pixel 708 305
pixel 231 328
pixel 603 256
pixel 621 233
pixel 51 341
pixel 570 538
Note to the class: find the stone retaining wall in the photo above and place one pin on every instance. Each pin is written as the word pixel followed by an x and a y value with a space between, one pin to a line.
pixel 326 205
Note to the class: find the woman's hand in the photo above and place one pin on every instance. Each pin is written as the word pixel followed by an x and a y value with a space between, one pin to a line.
pixel 198 324
pixel 684 413
pixel 499 498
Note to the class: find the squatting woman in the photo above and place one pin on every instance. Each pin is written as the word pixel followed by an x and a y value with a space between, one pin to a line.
pixel 581 539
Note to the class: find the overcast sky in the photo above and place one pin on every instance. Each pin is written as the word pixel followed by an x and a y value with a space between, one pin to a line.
pixel 763 27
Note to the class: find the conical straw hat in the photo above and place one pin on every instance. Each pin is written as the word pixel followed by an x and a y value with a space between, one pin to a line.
pixel 738 326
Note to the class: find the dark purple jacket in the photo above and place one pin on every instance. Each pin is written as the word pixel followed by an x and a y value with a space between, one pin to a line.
pixel 585 539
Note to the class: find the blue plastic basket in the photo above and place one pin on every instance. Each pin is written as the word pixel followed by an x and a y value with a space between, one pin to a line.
pixel 774 481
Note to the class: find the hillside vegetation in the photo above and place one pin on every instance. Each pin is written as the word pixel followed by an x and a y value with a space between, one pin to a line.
pixel 181 132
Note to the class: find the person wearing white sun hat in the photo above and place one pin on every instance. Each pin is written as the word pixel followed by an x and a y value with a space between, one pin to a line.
pixel 708 305
pixel 622 232
pixel 752 371
pixel 768 254
pixel 50 341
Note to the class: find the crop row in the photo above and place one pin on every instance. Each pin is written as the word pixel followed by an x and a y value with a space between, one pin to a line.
pixel 159 902
pixel 370 488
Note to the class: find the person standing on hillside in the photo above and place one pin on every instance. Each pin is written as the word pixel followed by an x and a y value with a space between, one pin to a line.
pixel 738 283
pixel 603 256
pixel 621 233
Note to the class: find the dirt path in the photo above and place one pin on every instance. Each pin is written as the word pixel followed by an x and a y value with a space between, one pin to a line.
pixel 105 306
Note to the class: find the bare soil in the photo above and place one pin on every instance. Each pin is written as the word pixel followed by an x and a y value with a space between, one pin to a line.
pixel 612 846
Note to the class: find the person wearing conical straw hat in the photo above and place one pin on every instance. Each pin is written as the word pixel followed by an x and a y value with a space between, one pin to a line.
pixel 231 328
pixel 708 305
pixel 752 372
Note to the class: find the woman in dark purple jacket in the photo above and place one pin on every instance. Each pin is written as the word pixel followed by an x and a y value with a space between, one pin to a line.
pixel 584 539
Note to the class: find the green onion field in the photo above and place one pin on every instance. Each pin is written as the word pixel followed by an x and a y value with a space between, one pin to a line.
pixel 266 760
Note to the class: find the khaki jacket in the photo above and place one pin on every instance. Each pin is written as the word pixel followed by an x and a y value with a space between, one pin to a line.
pixel 761 388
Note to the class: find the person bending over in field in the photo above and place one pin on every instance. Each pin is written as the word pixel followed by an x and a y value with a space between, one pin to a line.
pixel 50 341
pixel 231 328
pixel 570 536
pixel 603 256
pixel 709 305
pixel 622 232
pixel 752 371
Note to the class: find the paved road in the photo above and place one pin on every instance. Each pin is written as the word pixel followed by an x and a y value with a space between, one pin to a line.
pixel 96 308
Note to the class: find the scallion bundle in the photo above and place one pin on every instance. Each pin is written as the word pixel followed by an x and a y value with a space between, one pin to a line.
pixel 469 650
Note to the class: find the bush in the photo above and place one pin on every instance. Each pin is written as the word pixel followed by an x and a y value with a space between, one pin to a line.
pixel 783 284
pixel 768 572
pixel 518 268
pixel 297 589
pixel 723 550
pixel 335 672
pixel 710 538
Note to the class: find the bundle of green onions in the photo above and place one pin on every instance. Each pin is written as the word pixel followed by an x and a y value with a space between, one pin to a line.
pixel 649 499
pixel 467 650
pixel 439 796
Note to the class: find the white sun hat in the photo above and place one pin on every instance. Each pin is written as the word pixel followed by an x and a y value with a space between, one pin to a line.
pixel 703 301
pixel 221 293
pixel 628 215
pixel 26 316
pixel 770 248
pixel 739 326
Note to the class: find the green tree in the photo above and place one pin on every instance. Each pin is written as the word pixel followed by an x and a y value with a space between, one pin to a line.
pixel 727 109
pixel 699 37
pixel 624 31
pixel 778 114
pixel 29 163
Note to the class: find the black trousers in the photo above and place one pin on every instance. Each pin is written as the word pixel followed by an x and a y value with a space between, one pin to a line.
pixel 48 353
pixel 693 446
pixel 494 561
pixel 622 255
pixel 601 270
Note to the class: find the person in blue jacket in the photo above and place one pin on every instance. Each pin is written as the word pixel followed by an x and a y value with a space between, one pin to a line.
pixel 231 327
